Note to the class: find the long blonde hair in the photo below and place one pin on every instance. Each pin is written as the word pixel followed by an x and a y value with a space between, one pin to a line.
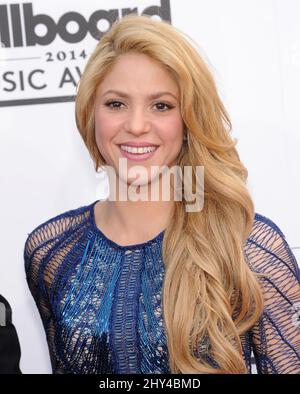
pixel 210 295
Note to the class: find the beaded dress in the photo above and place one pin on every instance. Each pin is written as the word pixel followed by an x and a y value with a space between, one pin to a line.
pixel 101 303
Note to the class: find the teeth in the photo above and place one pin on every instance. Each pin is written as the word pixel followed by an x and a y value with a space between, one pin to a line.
pixel 131 149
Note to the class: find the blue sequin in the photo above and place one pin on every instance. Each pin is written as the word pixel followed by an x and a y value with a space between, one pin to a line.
pixel 101 303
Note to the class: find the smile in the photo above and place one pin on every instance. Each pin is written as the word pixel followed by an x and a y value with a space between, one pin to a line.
pixel 138 153
pixel 138 150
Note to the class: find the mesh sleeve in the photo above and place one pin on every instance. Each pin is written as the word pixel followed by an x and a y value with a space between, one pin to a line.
pixel 276 335
pixel 39 274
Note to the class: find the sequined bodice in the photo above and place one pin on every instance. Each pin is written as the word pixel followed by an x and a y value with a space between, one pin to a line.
pixel 101 303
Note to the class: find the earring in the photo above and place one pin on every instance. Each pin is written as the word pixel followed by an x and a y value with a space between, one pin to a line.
pixel 185 137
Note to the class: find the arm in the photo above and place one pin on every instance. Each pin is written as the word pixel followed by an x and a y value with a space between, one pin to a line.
pixel 276 336
pixel 39 276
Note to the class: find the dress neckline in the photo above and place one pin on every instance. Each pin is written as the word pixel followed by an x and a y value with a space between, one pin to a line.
pixel 97 230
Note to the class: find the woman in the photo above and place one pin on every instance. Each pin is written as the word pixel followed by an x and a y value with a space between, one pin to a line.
pixel 146 286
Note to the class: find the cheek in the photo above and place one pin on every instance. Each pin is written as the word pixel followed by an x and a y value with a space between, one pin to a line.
pixel 104 129
pixel 173 131
pixel 104 133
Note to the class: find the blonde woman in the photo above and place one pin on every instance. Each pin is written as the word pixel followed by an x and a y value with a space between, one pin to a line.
pixel 143 286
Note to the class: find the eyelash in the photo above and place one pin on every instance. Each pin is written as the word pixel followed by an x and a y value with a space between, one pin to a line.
pixel 107 104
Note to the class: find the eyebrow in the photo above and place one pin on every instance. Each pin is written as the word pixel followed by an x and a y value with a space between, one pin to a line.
pixel 150 96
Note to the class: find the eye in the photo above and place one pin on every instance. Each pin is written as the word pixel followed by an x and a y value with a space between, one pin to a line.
pixel 167 106
pixel 108 104
pixel 161 106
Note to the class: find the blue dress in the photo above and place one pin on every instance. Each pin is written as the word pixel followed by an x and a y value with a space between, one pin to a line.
pixel 101 303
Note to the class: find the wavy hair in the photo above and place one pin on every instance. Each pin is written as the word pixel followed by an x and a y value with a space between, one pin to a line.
pixel 210 295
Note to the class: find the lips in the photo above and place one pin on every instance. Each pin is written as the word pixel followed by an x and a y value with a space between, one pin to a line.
pixel 139 150
pixel 135 144
pixel 137 156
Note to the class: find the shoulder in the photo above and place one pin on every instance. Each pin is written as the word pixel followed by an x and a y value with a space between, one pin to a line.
pixel 53 229
pixel 263 224
pixel 275 335
pixel 267 250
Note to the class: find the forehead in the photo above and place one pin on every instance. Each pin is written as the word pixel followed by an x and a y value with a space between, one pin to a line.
pixel 140 72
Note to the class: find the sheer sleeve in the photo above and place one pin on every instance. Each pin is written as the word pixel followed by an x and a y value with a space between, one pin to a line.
pixel 38 248
pixel 276 336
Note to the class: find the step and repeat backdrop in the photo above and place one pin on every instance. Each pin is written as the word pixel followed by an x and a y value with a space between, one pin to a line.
pixel 253 49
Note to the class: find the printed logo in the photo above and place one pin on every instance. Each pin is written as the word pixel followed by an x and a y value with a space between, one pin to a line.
pixel 42 57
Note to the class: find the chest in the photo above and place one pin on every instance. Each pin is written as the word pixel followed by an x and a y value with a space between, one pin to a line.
pixel 111 306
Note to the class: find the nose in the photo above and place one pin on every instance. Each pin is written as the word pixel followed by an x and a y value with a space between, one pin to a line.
pixel 138 121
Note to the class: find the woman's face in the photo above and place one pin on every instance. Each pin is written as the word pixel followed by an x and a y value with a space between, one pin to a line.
pixel 137 104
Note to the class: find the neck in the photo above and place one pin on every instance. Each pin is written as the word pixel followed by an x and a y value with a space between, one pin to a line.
pixel 139 214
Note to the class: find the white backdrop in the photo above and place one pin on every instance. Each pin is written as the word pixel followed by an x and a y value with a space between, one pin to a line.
pixel 253 47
